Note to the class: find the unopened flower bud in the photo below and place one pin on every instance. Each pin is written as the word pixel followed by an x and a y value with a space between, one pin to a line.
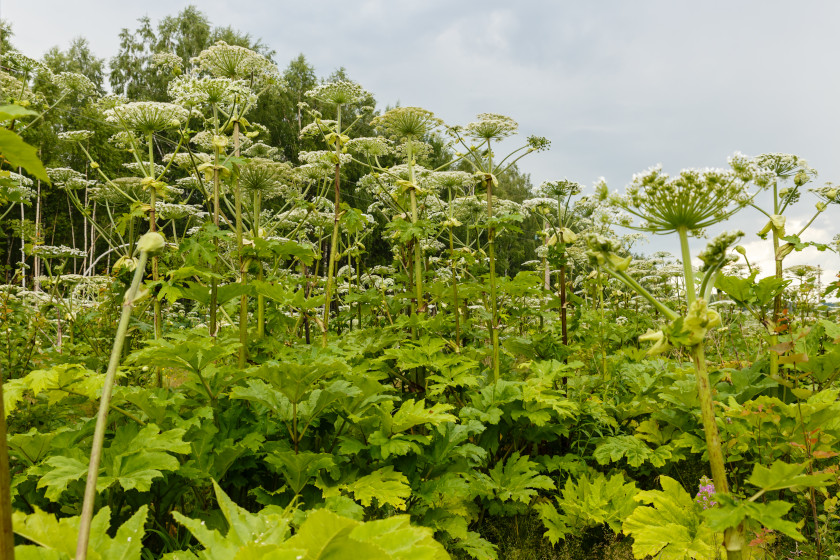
pixel 151 242
pixel 820 206
pixel 740 249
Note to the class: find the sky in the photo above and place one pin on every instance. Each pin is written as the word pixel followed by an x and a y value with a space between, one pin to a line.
pixel 617 86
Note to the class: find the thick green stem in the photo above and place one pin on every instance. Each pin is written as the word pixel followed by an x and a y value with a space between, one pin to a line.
pixel 334 240
pixel 455 306
pixel 491 253
pixel 243 264
pixel 260 297
pixel 733 538
pixel 158 319
pixel 7 538
pixel 418 249
pixel 104 405
pixel 690 293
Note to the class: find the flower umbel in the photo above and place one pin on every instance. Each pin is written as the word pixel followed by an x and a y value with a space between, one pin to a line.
pixel 694 200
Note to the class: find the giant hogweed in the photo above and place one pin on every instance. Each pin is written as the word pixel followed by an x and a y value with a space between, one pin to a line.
pixel 685 205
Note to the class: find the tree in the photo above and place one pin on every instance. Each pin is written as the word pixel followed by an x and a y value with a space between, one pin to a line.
pixel 80 59
pixel 279 111
pixel 186 35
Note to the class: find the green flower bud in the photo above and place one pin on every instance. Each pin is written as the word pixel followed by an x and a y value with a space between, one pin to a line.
pixel 821 206
pixel 740 249
pixel 151 242
pixel 567 235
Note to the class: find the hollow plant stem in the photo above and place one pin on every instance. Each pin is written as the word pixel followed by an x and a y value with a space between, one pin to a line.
pixel 733 538
pixel 7 538
pixel 104 405
pixel 334 239
pixel 243 263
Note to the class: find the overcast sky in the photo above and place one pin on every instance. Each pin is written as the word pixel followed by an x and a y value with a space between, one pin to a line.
pixel 617 86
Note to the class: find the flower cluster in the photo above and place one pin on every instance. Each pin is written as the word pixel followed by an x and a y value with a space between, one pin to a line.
pixel 147 117
pixel 74 82
pixel 540 205
pixel 75 135
pixel 559 189
pixel 23 63
pixel 141 170
pixel 828 194
pixel 231 61
pixel 714 255
pixel 313 172
pixel 168 61
pixel 67 178
pixel 538 143
pixel 317 128
pixel 705 497
pixel 456 181
pixel 263 151
pixel 785 166
pixel 369 146
pixel 325 157
pixel 491 126
pixel 694 200
pixel 407 122
pixel 170 211
pixel 339 93
pixel 57 252
pixel 264 176
pixel 192 91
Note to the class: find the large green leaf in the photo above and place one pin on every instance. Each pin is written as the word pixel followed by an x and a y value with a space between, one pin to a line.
pixel 781 475
pixel 672 528
pixel 729 513
pixel 587 503
pixel 414 413
pixel 59 535
pixel 20 154
pixel 511 484
pixel 326 536
pixel 248 536
pixel 386 485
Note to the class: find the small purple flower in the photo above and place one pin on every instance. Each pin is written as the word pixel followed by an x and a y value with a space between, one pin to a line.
pixel 705 497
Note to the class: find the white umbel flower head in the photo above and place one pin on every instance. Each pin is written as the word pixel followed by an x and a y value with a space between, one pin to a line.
pixel 57 252
pixel 339 92
pixel 491 126
pixel 694 200
pixel 168 61
pixel 231 61
pixel 75 135
pixel 73 81
pixel 66 178
pixel 264 176
pixel 456 181
pixel 147 117
pixel 407 122
pixel 374 146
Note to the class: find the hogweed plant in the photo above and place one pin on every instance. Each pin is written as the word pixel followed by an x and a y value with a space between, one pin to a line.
pixel 339 94
pixel 686 204
pixel 490 128
pixel 146 118
pixel 410 125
